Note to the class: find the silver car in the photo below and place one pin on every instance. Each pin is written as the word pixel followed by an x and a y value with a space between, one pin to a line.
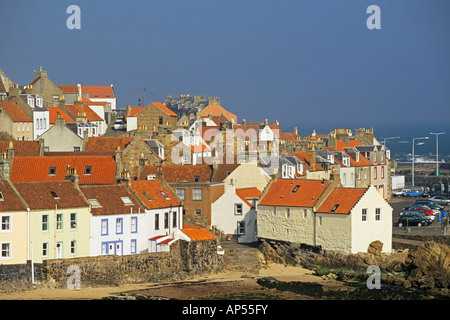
pixel 442 200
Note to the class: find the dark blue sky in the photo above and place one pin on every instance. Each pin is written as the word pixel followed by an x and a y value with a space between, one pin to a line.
pixel 313 64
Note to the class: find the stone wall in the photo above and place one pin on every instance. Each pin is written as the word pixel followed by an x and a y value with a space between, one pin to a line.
pixel 184 258
pixel 20 272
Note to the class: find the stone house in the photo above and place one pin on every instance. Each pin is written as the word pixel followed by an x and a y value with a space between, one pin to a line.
pixel 132 154
pixel 60 137
pixel 248 175
pixel 51 94
pixel 234 213
pixel 349 219
pixel 323 213
pixel 15 121
pixel 156 117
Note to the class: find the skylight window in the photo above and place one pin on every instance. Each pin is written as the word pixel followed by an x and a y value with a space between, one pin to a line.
pixel 165 195
pixel 295 189
pixel 146 195
pixel 196 178
pixel 94 203
pixel 88 170
pixel 51 171
pixel 2 198
pixel 55 196
pixel 127 200
pixel 334 208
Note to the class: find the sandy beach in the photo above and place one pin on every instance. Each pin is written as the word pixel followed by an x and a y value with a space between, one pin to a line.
pixel 198 287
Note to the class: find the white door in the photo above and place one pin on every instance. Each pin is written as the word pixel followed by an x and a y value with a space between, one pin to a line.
pixel 59 247
pixel 118 248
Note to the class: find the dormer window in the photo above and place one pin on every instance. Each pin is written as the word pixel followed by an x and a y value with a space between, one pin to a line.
pixel 196 178
pixel 39 101
pixel 30 101
pixel 52 171
pixel 88 170
pixel 94 203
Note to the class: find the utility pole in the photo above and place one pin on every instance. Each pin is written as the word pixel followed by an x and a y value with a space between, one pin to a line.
pixel 437 151
pixel 414 157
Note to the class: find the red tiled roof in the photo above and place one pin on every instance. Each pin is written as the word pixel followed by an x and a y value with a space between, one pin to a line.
pixel 342 200
pixel 76 110
pixel 149 192
pixel 247 193
pixel 21 148
pixel 55 112
pixel 363 161
pixel 68 88
pixel 14 112
pixel 133 111
pixel 306 158
pixel 164 108
pixel 27 169
pixel 109 197
pixel 217 110
pixel 181 173
pixel 11 201
pixel 107 143
pixel 284 192
pixel 38 195
pixel 99 91
pixel 198 234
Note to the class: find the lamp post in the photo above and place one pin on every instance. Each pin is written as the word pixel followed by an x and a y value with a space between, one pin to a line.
pixel 414 157
pixel 437 151
pixel 389 138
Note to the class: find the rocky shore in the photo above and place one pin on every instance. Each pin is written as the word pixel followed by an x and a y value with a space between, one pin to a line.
pixel 415 273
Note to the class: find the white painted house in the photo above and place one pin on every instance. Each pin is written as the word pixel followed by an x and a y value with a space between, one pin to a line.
pixel 234 213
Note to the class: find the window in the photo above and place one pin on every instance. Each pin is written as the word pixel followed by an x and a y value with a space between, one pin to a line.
pixel 241 228
pixel 88 170
pixel 54 194
pixel 6 250
pixel 59 221
pixel 119 227
pixel 51 170
pixel 174 219
pixel 295 189
pixel 45 249
pixel 319 221
pixel 196 179
pixel 334 208
pixel 2 198
pixel 126 201
pixel 6 223
pixel 238 209
pixel 133 226
pixel 160 121
pixel 198 212
pixel 181 193
pixel 157 221
pixel 94 203
pixel 73 247
pixel 76 149
pixel 164 194
pixel 45 222
pixel 364 215
pixel 55 98
pixel 133 246
pixel 73 220
pixel 377 214
pixel 104 225
pixel 375 173
pixel 146 196
pixel 166 220
pixel 305 213
pixel 288 213
pixel 382 172
pixel 197 194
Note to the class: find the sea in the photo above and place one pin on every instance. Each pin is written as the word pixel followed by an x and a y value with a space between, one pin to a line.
pixel 399 140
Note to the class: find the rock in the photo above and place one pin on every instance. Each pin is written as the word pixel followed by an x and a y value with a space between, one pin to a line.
pixel 375 247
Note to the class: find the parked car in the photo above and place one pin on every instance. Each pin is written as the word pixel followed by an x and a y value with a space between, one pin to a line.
pixel 430 203
pixel 423 206
pixel 412 218
pixel 442 200
pixel 414 193
pixel 400 193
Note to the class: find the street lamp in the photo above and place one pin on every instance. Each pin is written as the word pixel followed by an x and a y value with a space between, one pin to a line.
pixel 414 157
pixel 437 151
pixel 389 138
